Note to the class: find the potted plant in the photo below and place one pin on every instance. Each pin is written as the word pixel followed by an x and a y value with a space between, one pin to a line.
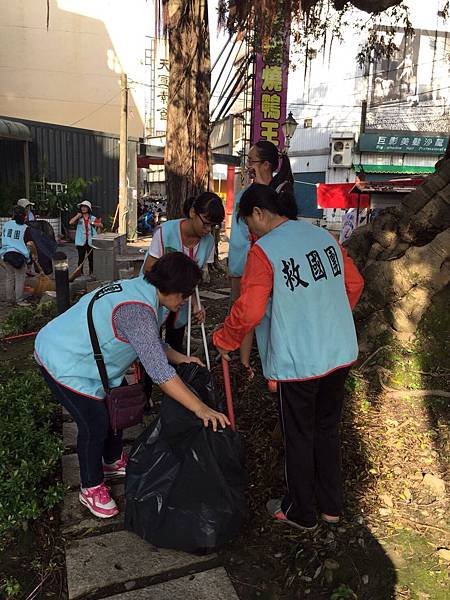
pixel 9 194
pixel 52 201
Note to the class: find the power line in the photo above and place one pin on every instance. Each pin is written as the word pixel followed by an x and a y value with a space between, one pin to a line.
pixel 95 110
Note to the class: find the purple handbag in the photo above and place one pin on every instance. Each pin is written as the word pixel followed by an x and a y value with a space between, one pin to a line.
pixel 125 403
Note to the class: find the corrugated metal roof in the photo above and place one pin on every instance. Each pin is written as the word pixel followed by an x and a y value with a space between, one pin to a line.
pixel 13 130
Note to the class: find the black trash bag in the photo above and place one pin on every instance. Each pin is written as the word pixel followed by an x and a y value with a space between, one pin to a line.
pixel 185 483
pixel 43 237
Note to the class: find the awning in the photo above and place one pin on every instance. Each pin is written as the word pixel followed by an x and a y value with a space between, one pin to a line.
pixel 11 130
pixel 400 169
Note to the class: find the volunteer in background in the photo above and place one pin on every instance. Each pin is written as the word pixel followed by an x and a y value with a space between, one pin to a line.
pixel 299 288
pixel 15 255
pixel 192 236
pixel 262 162
pixel 26 204
pixel 86 230
pixel 127 319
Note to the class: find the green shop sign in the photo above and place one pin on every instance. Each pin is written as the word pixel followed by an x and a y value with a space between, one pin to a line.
pixel 402 143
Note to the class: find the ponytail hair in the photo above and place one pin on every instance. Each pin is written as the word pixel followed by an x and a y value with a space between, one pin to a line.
pixel 279 163
pixel 264 196
pixel 283 177
pixel 208 204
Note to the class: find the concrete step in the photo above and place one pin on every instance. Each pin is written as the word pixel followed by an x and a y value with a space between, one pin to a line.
pixel 71 469
pixel 207 585
pixel 70 434
pixel 101 563
pixel 212 295
pixel 76 520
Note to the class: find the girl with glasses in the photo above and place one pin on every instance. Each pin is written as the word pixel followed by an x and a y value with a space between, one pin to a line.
pixel 267 166
pixel 193 236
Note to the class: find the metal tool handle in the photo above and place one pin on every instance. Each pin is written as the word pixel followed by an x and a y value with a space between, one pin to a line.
pixel 202 326
pixel 188 348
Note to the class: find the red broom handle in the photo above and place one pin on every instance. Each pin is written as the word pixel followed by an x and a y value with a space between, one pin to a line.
pixel 16 337
pixel 229 397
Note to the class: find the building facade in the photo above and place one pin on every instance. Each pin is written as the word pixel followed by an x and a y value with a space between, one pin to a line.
pixel 389 118
pixel 62 65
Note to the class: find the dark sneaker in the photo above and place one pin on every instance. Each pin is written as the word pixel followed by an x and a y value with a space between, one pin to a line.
pixel 274 509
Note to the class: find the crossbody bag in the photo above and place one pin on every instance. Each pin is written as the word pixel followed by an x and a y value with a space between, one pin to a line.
pixel 125 403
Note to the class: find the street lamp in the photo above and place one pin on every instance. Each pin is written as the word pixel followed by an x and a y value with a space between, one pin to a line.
pixel 289 127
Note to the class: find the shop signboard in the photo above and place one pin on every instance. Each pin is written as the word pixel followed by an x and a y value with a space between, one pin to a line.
pixel 270 86
pixel 402 143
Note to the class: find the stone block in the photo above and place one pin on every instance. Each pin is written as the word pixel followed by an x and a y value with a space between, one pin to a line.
pixel 76 518
pixel 119 557
pixel 207 585
pixel 212 295
pixel 70 434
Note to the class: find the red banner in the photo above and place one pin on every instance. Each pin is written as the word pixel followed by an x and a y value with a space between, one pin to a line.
pixel 337 195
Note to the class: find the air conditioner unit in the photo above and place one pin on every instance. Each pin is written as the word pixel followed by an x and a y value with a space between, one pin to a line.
pixel 341 152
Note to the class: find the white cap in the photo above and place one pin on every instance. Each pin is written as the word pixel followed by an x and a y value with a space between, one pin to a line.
pixel 24 202
pixel 85 203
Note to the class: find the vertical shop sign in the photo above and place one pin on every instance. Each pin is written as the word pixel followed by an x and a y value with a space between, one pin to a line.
pixel 270 89
pixel 161 87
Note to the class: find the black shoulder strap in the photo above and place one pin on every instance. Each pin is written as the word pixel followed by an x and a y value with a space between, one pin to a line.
pixel 95 343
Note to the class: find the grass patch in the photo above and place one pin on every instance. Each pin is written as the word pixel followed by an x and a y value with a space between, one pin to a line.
pixel 420 571
pixel 24 319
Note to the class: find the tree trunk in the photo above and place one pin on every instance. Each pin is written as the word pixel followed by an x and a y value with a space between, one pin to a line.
pixel 187 159
pixel 404 257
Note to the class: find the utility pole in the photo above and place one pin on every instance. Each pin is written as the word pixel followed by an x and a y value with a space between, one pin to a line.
pixel 123 156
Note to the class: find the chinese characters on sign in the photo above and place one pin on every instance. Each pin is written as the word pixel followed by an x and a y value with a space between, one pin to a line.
pixel 162 90
pixel 157 96
pixel 291 270
pixel 402 143
pixel 270 92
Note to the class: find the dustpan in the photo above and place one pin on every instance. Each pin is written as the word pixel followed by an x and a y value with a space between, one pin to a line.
pixel 43 282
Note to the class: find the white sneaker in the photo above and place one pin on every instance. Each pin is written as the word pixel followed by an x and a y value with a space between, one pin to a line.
pixel 98 500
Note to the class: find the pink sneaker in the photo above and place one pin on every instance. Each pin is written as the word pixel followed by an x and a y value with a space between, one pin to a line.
pixel 98 500
pixel 117 468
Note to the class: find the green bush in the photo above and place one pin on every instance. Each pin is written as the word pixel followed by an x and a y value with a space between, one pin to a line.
pixel 29 449
pixel 25 319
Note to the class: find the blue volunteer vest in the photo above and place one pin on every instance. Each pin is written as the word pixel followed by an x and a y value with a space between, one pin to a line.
pixel 172 242
pixel 12 239
pixel 239 242
pixel 64 347
pixel 80 232
pixel 308 329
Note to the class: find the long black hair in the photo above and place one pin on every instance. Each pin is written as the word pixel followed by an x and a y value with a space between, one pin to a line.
pixel 280 203
pixel 268 151
pixel 174 273
pixel 208 204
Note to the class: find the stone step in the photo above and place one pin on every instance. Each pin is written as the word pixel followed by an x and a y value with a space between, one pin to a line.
pixel 71 469
pixel 212 295
pixel 76 519
pixel 101 563
pixel 207 585
pixel 70 434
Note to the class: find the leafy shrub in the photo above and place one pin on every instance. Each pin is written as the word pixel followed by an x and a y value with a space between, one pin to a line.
pixel 29 449
pixel 23 319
